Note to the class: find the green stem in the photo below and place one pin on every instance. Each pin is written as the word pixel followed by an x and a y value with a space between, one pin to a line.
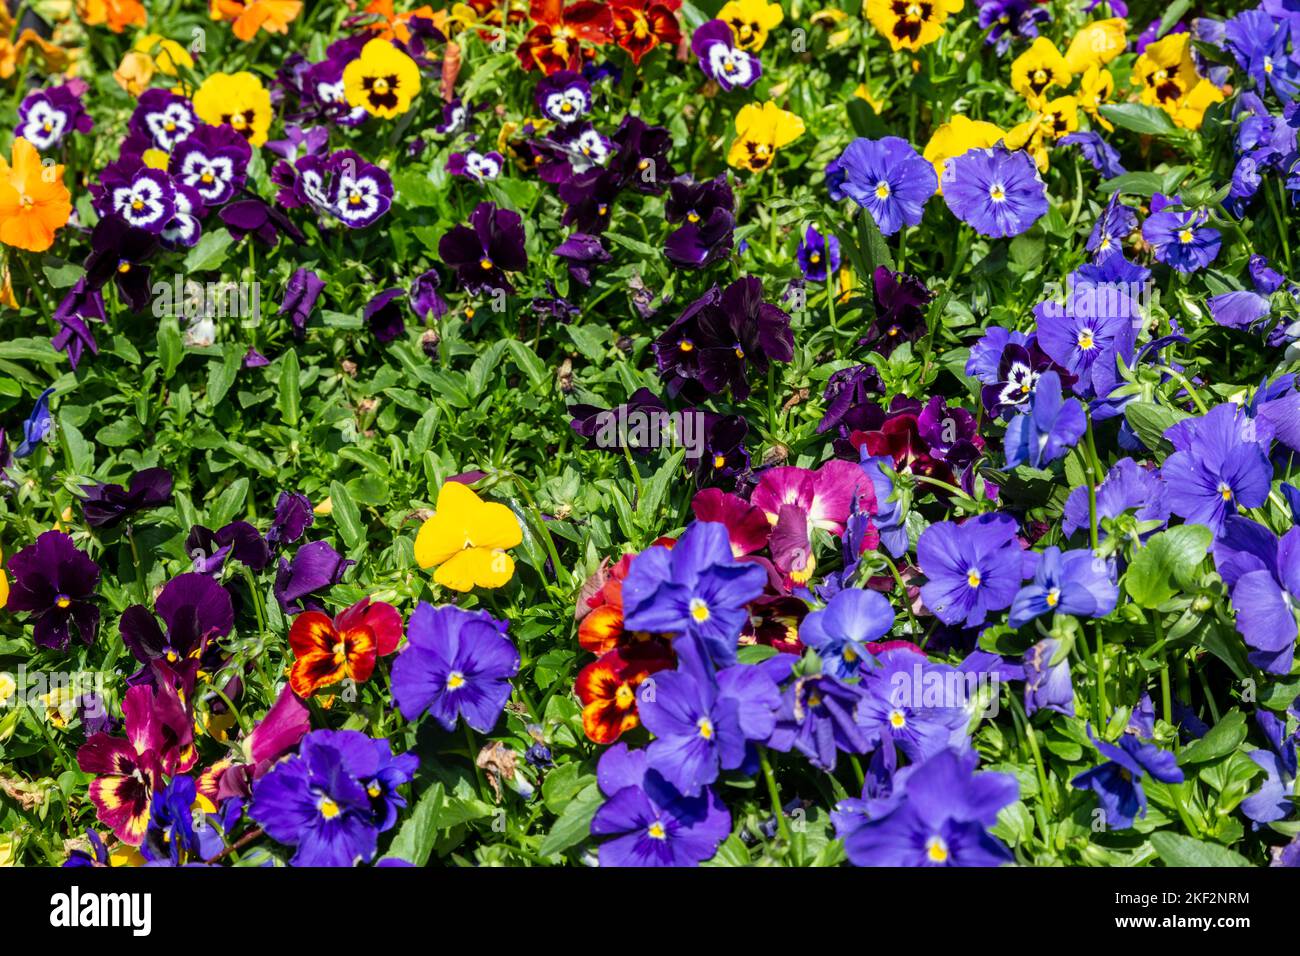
pixel 782 827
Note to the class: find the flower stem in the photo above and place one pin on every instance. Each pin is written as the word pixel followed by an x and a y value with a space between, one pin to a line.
pixel 775 794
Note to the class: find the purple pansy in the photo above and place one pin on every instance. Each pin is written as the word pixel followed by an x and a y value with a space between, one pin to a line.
pixel 888 178
pixel 995 191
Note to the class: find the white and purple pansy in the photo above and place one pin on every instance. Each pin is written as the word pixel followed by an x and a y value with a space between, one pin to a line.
pixel 185 227
pixel 474 165
pixel 731 67
pixel 324 84
pixel 585 147
pixel 564 96
pixel 213 161
pixel 164 117
pixel 359 192
pixel 147 202
pixel 47 116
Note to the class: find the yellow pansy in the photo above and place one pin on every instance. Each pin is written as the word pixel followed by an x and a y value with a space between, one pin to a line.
pixel 1165 71
pixel 466 540
pixel 382 80
pixel 4 583
pixel 750 21
pixel 1057 118
pixel 167 54
pixel 760 132
pixel 910 24
pixel 1096 44
pixel 957 136
pixel 1095 88
pixel 1191 111
pixel 863 93
pixel 238 100
pixel 1037 70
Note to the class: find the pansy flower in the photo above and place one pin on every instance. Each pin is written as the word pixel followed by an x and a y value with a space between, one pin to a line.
pixel 910 24
pixel 36 428
pixel 694 590
pixel 238 100
pixel 325 801
pixel 751 21
pixel 185 226
pixel 842 631
pixel 647 821
pixel 213 161
pixel 485 250
pixel 46 116
pixel 971 568
pixel 607 687
pixel 313 567
pixel 900 302
pixel 480 167
pixel 128 772
pixel 1118 781
pixel 120 251
pixel 581 252
pixel 555 42
pixel 1181 238
pixel 760 132
pixel 818 718
pixel 382 80
pixel 995 191
pixel 55 583
pixel 197 612
pixel 900 713
pixel 818 255
pixel 706 212
pixel 721 59
pixel 456 664
pixel 106 505
pixel 888 179
pixel 1220 465
pixel 563 97
pixel 1008 19
pixel 797 500
pixel 327 652
pixel 248 16
pixel 34 202
pixel 1047 429
pixel 163 118
pixel 936 813
pixel 1037 70
pixel 1096 44
pixel 1070 582
pixel 638 26
pixel 467 540
pixel 955 137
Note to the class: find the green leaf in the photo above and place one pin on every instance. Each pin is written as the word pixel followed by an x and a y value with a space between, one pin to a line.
pixel 1140 118
pixel 574 824
pixel 1166 563
pixel 1221 740
pixel 209 252
pixel 228 504
pixel 171 349
pixel 1150 421
pixel 290 396
pixel 119 432
pixel 346 515
pixel 414 841
pixel 1178 850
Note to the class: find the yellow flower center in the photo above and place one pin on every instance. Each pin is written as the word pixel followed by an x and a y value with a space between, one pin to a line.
pixel 973 578
pixel 1086 340
pixel 936 850
pixel 485 263
pixel 997 193
pixel 897 719
pixel 719 461
pixel 706 728
pixel 685 345
pixel 1185 236
pixel 699 610
pixel 657 831
pixel 1225 492
pixel 624 697
pixel 455 680
pixel 1053 597
pixel 63 602
pixel 328 808
pixel 882 190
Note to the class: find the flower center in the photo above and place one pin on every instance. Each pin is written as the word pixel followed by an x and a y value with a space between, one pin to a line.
pixel 719 461
pixel 936 850
pixel 685 345
pixel 699 610
pixel 624 697
pixel 882 190
pixel 63 602
pixel 1086 340
pixel 657 831
pixel 328 808
pixel 1053 597
pixel 973 577
pixel 897 719
pixel 997 192
pixel 1224 491
pixel 706 728
pixel 485 263
pixel 455 680
pixel 1185 236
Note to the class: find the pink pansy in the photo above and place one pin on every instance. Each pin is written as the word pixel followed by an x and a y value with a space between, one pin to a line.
pixel 747 526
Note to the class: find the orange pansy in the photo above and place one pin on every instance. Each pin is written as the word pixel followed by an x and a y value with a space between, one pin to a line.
pixel 34 203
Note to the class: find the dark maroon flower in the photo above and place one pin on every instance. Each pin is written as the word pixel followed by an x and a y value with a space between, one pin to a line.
pixel 714 342
pixel 706 213
pixel 314 566
pixel 293 516
pixel 609 428
pixel 385 316
pixel 722 455
pixel 208 550
pixel 424 298
pixel 900 310
pixel 253 217
pixel 300 297
pixel 581 251
pixel 589 198
pixel 105 505
pixel 641 162
pixel 951 432
pixel 119 252
pixel 197 612
pixel 55 582
pixel 555 305
pixel 846 390
pixel 75 338
pixel 485 250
